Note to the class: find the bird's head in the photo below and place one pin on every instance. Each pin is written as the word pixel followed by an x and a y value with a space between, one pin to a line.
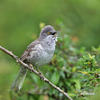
pixel 48 31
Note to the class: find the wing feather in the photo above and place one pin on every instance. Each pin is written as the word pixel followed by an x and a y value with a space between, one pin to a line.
pixel 29 49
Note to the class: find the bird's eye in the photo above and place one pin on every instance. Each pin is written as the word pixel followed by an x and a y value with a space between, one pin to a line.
pixel 48 33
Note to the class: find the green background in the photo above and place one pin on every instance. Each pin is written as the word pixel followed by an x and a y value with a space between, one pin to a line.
pixel 20 24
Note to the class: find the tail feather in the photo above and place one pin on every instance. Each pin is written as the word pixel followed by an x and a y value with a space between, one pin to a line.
pixel 17 84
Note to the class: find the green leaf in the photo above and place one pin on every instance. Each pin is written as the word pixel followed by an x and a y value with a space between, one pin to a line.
pixel 55 77
pixel 77 85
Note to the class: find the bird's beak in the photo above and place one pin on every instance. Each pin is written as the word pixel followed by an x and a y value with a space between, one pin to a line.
pixel 54 34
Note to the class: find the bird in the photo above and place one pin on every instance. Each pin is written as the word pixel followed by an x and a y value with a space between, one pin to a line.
pixel 38 53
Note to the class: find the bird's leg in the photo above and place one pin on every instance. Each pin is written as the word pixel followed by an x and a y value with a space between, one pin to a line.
pixel 31 65
pixel 37 68
pixel 41 75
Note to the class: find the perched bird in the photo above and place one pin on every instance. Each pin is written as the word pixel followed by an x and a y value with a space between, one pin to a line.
pixel 38 53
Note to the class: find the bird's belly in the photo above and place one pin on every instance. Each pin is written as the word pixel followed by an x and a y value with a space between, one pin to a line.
pixel 41 58
pixel 44 58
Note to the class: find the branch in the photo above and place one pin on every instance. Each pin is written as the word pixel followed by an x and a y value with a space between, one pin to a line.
pixel 34 71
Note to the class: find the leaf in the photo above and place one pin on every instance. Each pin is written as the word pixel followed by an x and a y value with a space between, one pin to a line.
pixel 86 73
pixel 55 77
pixel 77 85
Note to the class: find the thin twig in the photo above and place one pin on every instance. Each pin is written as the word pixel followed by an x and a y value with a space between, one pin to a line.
pixel 34 71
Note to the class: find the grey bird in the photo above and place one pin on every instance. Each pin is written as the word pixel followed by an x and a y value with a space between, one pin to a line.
pixel 38 53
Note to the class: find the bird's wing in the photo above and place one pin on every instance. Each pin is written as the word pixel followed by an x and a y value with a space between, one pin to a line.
pixel 29 49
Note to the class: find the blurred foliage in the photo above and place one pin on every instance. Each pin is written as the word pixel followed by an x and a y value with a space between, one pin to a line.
pixel 73 68
pixel 21 18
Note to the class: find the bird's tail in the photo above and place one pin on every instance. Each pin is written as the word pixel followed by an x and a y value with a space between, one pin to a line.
pixel 17 84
